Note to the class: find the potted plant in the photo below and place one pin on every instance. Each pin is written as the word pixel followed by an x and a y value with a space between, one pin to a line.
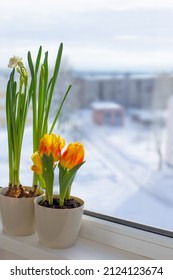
pixel 58 217
pixel 16 219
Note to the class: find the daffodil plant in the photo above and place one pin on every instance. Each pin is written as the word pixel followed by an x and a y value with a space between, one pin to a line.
pixel 51 156
pixel 17 104
pixel 38 88
pixel 43 87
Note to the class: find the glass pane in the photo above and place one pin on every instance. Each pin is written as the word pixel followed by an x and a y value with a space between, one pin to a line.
pixel 118 55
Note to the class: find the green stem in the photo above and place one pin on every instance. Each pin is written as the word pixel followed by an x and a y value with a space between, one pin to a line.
pixel 17 104
pixel 68 191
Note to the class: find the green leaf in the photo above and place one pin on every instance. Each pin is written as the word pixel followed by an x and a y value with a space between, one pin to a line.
pixel 48 175
pixel 52 85
pixel 38 59
pixel 42 182
pixel 31 66
pixel 59 110
pixel 66 178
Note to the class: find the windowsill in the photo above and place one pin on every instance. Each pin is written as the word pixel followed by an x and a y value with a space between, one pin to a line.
pixel 98 240
pixel 136 241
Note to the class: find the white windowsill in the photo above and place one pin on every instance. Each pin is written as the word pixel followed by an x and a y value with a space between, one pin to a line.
pixel 98 239
pixel 139 242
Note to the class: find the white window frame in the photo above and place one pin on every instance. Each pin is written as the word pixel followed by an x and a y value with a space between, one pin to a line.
pixel 137 241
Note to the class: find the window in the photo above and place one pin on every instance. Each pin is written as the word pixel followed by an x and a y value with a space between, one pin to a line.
pixel 119 52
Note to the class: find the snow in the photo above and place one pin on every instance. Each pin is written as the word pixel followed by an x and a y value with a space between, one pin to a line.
pixel 120 177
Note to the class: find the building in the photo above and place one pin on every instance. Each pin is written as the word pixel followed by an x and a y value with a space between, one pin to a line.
pixel 108 113
pixel 128 90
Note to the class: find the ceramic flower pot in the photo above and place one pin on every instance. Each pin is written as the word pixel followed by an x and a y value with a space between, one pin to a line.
pixel 58 228
pixel 17 214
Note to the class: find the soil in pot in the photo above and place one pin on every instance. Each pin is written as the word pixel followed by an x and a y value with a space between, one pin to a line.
pixel 68 204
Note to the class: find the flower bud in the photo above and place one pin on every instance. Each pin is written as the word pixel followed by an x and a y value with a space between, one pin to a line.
pixel 52 144
pixel 73 155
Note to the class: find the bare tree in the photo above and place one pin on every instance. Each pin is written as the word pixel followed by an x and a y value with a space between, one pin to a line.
pixel 163 88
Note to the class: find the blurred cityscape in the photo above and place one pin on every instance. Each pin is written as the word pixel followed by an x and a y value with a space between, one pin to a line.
pixel 139 94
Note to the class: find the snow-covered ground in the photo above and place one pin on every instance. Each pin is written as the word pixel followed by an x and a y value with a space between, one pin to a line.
pixel 120 177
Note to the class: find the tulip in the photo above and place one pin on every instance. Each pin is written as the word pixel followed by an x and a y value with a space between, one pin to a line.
pixel 45 161
pixel 52 144
pixel 72 156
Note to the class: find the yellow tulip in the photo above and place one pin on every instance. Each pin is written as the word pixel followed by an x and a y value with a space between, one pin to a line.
pixel 72 156
pixel 52 144
pixel 37 167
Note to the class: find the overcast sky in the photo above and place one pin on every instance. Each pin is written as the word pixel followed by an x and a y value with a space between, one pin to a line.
pixel 97 35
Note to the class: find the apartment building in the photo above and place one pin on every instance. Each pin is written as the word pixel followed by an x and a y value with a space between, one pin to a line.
pixel 128 90
pixel 131 91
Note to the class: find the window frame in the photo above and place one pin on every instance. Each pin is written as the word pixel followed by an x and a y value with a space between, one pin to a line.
pixel 129 223
pixel 127 237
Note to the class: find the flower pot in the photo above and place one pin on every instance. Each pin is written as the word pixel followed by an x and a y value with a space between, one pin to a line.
pixel 17 214
pixel 58 228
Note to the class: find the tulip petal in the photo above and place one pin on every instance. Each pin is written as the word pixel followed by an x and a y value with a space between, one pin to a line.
pixel 37 167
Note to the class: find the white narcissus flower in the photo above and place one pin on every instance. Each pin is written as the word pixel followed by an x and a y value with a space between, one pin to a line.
pixel 14 61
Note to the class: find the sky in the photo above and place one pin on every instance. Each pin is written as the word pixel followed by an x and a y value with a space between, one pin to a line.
pixel 98 35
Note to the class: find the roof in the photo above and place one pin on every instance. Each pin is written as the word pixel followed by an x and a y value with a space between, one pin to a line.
pixel 105 105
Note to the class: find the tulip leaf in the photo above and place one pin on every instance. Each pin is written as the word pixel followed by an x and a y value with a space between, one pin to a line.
pixel 66 178
pixel 48 175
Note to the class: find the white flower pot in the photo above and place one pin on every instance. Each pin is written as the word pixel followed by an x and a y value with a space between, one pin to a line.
pixel 17 214
pixel 58 228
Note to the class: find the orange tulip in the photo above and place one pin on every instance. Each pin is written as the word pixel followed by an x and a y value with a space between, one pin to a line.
pixel 37 167
pixel 52 144
pixel 73 155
